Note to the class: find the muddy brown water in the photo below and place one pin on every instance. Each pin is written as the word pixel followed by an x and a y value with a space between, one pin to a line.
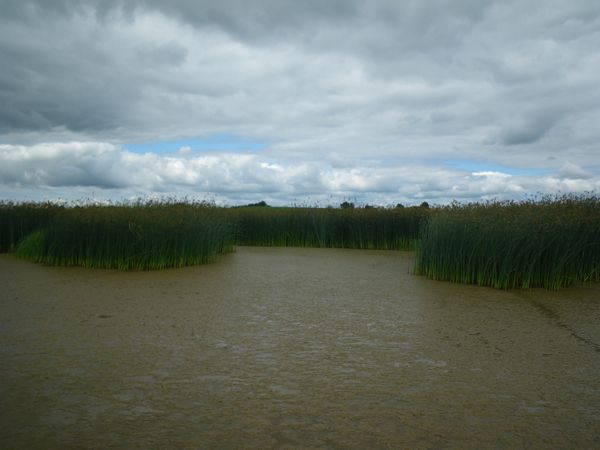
pixel 292 348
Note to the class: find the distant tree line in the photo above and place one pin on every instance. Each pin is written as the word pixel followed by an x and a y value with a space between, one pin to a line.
pixel 343 205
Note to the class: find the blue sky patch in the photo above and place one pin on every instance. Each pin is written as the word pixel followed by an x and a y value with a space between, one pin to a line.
pixel 476 166
pixel 220 142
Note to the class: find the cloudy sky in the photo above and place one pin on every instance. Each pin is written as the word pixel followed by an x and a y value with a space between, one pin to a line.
pixel 299 102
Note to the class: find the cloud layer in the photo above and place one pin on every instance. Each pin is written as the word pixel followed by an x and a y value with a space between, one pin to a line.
pixel 74 170
pixel 370 99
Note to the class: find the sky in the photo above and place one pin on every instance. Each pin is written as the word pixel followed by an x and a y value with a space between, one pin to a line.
pixel 309 102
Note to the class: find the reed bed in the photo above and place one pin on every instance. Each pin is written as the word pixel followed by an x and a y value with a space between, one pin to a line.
pixel 173 234
pixel 359 228
pixel 550 243
pixel 130 237
pixel 18 220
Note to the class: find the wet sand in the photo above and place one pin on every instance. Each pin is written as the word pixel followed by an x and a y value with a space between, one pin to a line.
pixel 292 348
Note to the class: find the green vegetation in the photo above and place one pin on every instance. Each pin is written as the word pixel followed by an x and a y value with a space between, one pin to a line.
pixel 361 228
pixel 173 234
pixel 548 243
pixel 138 237
pixel 18 220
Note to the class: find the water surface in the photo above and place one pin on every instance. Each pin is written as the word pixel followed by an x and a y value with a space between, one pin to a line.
pixel 296 348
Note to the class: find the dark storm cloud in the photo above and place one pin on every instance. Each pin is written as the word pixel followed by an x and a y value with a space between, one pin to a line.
pixel 527 128
pixel 164 55
pixel 51 78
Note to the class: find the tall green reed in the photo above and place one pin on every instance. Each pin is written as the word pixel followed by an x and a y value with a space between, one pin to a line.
pixel 172 234
pixel 18 220
pixel 360 228
pixel 126 237
pixel 550 243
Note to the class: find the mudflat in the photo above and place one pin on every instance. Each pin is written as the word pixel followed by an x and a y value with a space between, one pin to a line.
pixel 297 348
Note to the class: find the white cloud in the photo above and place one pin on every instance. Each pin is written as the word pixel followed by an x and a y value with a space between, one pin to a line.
pixel 115 173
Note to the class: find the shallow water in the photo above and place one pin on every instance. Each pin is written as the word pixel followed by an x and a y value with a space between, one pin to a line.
pixel 292 348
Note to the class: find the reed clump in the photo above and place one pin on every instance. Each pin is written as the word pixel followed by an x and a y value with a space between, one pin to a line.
pixel 18 220
pixel 359 228
pixel 130 237
pixel 549 242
